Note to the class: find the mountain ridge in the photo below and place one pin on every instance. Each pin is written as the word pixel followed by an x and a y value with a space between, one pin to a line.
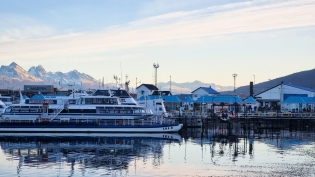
pixel 14 76
pixel 301 78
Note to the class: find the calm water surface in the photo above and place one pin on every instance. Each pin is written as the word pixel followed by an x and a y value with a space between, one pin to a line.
pixel 219 150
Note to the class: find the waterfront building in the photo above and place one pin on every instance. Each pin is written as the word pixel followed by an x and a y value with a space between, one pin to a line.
pixel 298 104
pixel 251 104
pixel 145 90
pixel 203 91
pixel 272 98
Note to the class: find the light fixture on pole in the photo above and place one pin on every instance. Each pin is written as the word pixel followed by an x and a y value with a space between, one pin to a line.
pixel 254 84
pixel 234 75
pixel 170 83
pixel 156 66
pixel 137 84
pixel 254 79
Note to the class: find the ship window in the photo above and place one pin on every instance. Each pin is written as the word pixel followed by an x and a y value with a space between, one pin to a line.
pixel 106 101
pixel 15 110
pixel 120 93
pixel 100 108
pixel 24 110
pixel 5 99
pixel 128 112
pixel 8 110
pixel 110 111
pixel 34 110
pixel 101 92
pixel 113 101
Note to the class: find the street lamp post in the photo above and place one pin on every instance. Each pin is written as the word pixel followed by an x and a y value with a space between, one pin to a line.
pixel 235 105
pixel 234 75
pixel 254 85
pixel 137 83
pixel 254 79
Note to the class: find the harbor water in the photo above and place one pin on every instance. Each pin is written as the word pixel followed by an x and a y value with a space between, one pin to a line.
pixel 220 149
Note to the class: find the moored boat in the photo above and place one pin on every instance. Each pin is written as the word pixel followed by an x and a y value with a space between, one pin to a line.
pixel 83 114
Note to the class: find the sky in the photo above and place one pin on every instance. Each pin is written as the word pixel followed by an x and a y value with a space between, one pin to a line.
pixel 204 40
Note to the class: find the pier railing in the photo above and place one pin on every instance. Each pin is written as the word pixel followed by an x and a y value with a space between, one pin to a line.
pixel 252 115
pixel 277 115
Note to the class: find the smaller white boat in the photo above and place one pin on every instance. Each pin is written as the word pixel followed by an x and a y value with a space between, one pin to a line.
pixel 156 105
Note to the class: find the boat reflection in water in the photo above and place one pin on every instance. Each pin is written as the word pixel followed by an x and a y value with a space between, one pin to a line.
pixel 109 152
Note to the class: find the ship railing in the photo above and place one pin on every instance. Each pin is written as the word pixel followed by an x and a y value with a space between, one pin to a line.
pixel 57 111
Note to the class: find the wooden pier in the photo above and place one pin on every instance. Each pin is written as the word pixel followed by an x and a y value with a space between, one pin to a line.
pixel 198 120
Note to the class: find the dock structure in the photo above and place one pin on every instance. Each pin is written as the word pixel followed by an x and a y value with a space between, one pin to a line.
pixel 198 120
pixel 276 115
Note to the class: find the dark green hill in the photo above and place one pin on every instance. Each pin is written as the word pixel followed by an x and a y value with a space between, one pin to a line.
pixel 303 78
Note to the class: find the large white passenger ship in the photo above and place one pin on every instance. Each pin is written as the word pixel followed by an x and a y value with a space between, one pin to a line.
pixel 96 113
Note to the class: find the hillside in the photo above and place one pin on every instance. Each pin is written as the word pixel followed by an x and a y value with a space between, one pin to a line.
pixel 303 78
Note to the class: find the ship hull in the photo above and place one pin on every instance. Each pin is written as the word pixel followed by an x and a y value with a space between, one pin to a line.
pixel 88 128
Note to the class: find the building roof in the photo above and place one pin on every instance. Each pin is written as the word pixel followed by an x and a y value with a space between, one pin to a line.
pixel 207 89
pixel 172 99
pixel 250 100
pixel 25 97
pixel 295 86
pixel 219 99
pixel 184 96
pixel 38 97
pixel 149 86
pixel 296 99
pixel 300 87
pixel 267 90
pixel 188 99
pixel 162 93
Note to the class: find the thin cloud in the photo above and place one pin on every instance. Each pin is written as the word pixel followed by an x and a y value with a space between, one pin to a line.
pixel 227 19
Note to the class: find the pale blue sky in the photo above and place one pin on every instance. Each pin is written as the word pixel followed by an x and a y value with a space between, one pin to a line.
pixel 190 39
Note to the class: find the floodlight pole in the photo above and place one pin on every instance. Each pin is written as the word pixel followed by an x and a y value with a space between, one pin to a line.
pixel 234 75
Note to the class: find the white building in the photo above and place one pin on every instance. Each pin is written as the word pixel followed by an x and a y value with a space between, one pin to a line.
pixel 203 91
pixel 145 90
pixel 276 95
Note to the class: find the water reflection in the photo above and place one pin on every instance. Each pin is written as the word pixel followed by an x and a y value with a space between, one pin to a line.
pixel 218 149
pixel 112 152
pixel 256 149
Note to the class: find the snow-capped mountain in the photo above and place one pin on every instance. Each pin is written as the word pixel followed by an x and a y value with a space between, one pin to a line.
pixel 188 87
pixel 14 77
pixel 62 79
pixel 17 72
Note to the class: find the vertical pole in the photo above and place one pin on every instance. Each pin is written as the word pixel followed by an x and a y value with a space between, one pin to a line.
pixel 234 75
pixel 170 83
